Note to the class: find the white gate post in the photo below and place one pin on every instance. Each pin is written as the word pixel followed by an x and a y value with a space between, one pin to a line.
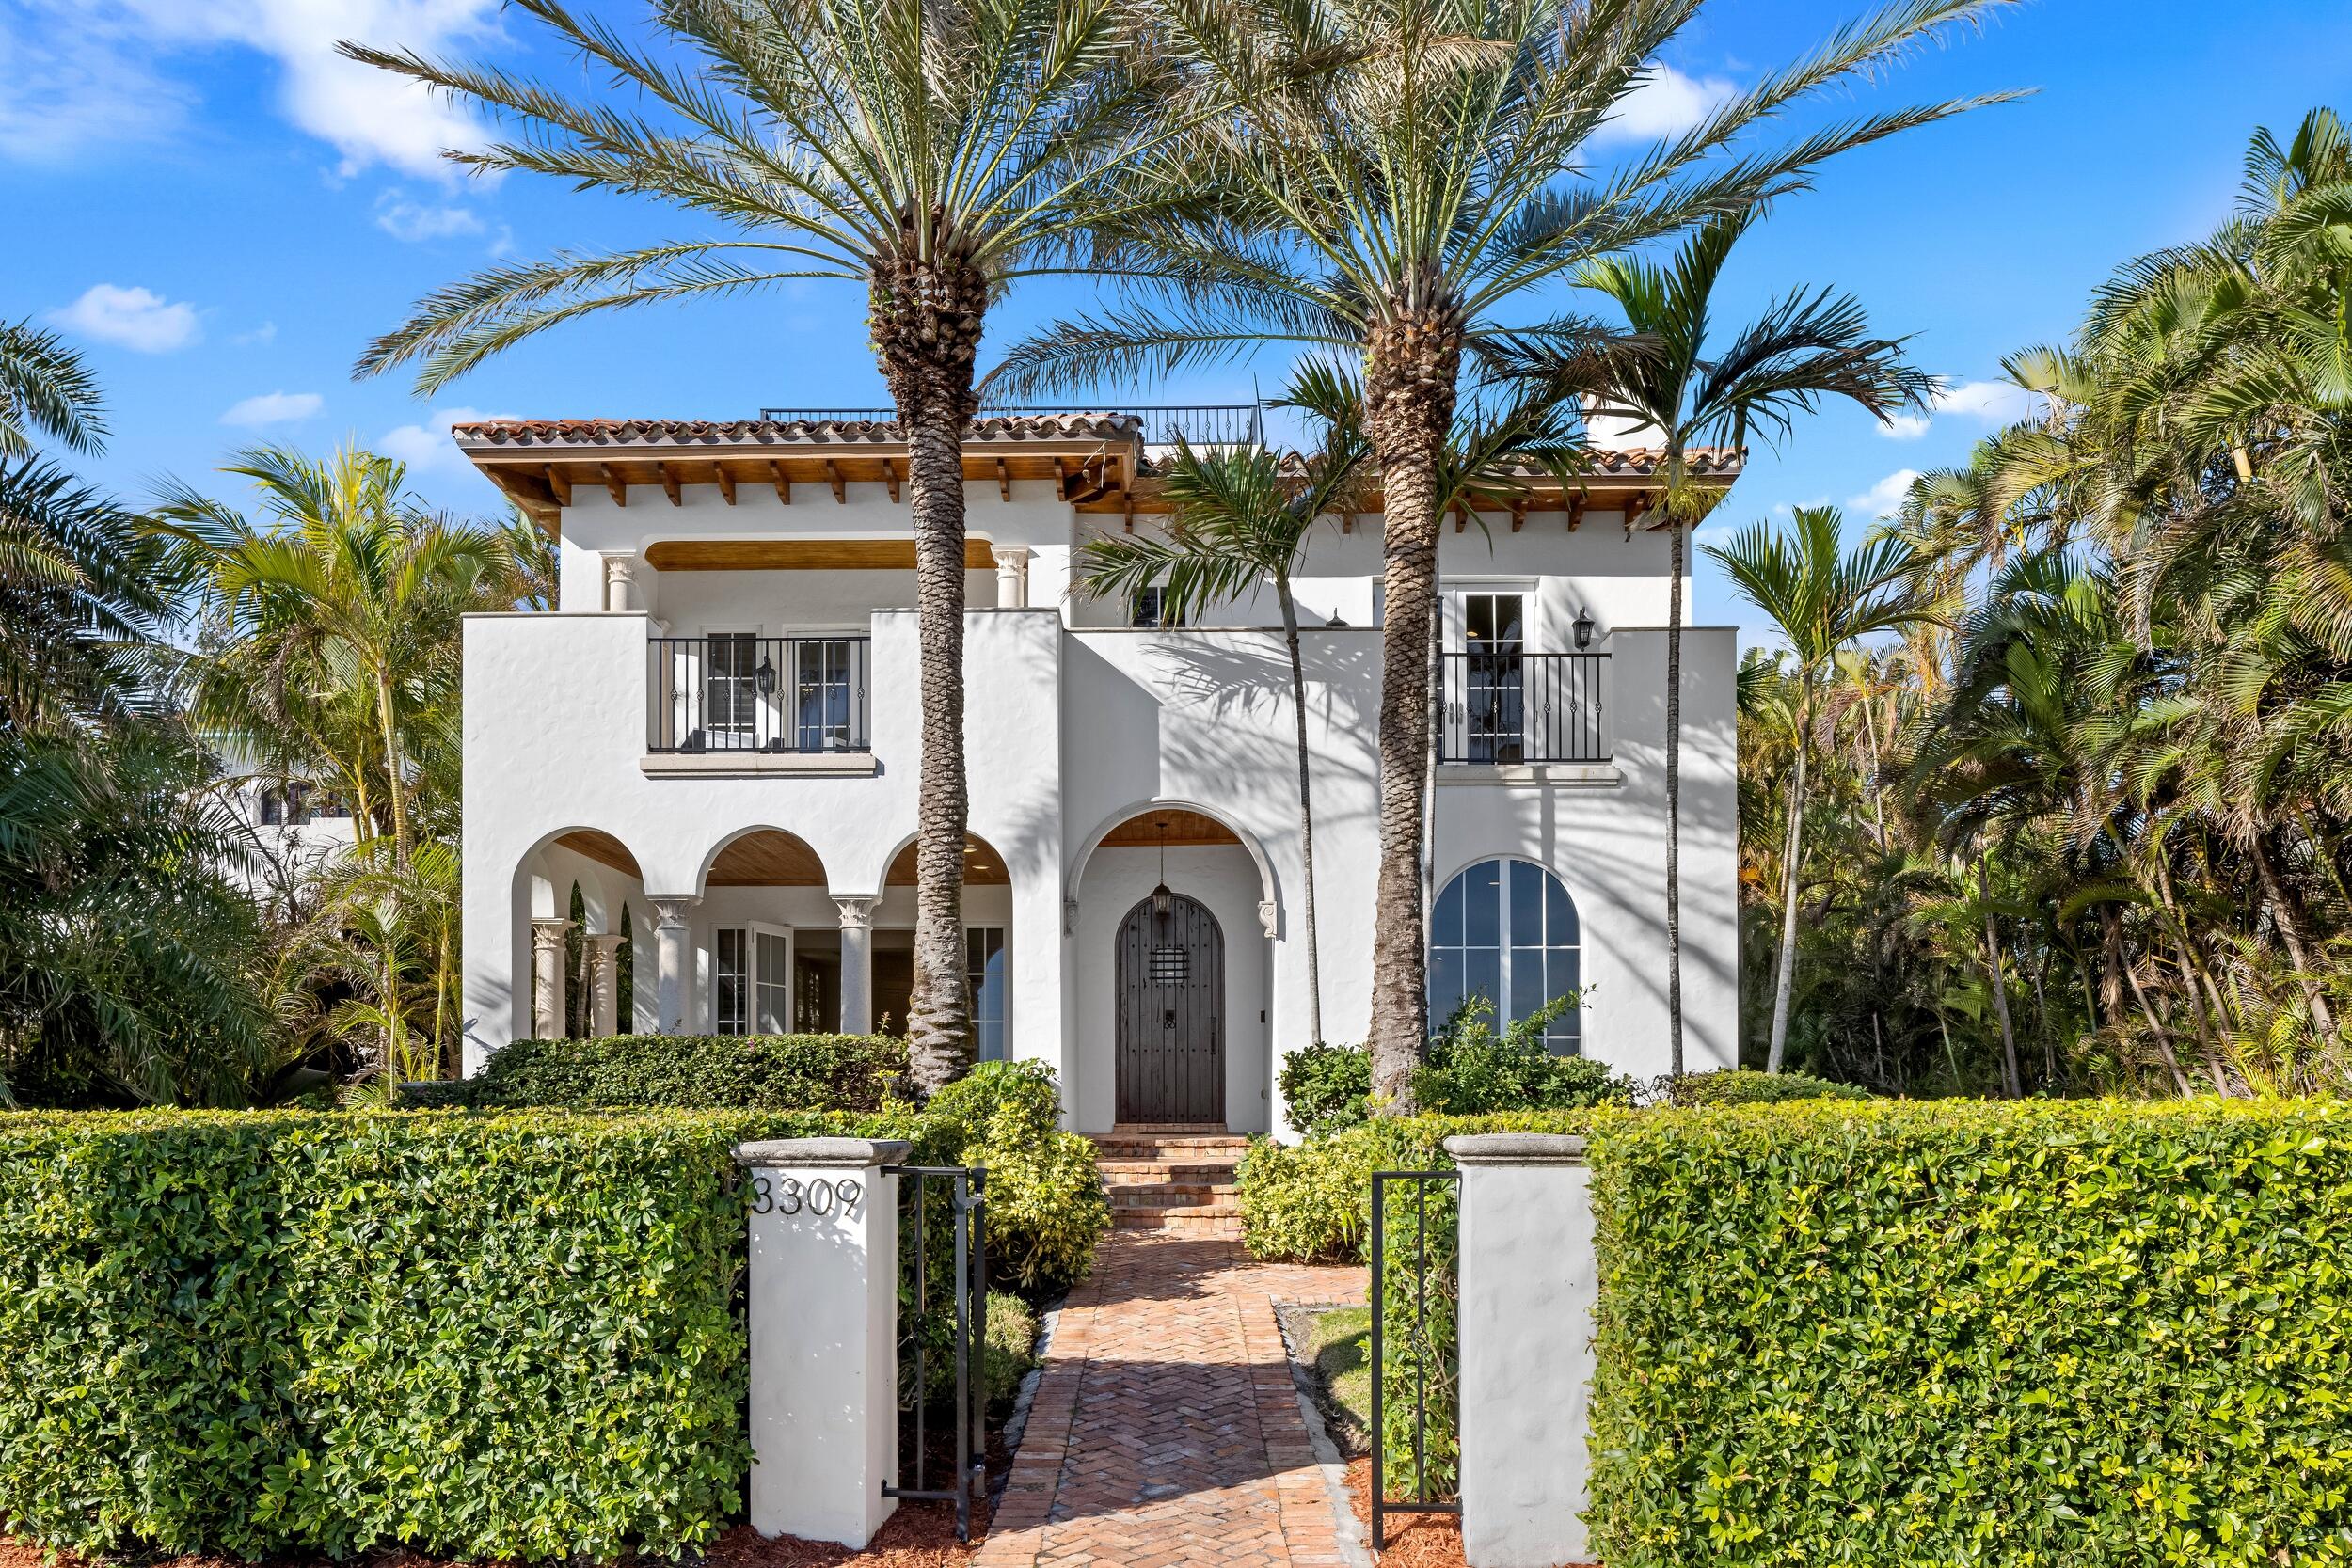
pixel 1530 1282
pixel 823 1310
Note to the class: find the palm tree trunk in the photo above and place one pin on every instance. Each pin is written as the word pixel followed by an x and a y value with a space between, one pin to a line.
pixel 2282 910
pixel 2012 1080
pixel 1784 984
pixel 1674 804
pixel 1306 805
pixel 394 785
pixel 925 318
pixel 1409 372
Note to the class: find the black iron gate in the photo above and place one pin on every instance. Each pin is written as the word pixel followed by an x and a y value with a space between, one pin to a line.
pixel 1416 1343
pixel 943 1312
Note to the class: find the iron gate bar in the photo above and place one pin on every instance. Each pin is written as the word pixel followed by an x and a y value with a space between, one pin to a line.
pixel 1420 1502
pixel 967 1196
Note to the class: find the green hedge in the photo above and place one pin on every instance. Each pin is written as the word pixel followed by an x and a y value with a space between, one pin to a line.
pixel 1740 1086
pixel 272 1332
pixel 2092 1333
pixel 760 1072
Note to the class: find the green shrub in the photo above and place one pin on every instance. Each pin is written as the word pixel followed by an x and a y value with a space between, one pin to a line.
pixel 484 1335
pixel 1046 1208
pixel 759 1072
pixel 1471 1071
pixel 1327 1087
pixel 2083 1334
pixel 1741 1086
pixel 1009 1347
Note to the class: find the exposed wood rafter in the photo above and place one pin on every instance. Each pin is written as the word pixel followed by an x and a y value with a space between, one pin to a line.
pixel 726 483
pixel 1518 515
pixel 1003 481
pixel 833 477
pixel 890 478
pixel 614 485
pixel 1576 512
pixel 561 484
pixel 783 485
pixel 670 485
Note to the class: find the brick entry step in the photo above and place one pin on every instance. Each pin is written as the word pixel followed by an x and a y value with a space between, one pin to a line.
pixel 1173 1179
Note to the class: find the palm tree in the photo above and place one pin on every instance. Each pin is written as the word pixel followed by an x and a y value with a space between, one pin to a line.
pixel 1240 516
pixel 1808 347
pixel 1823 600
pixel 1393 183
pixel 929 150
pixel 329 631
pixel 45 389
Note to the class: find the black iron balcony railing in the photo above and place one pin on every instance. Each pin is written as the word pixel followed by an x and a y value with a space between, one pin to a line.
pixel 744 693
pixel 1500 705
pixel 1213 425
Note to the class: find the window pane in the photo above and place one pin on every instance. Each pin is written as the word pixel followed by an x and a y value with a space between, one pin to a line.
pixel 1482 905
pixel 728 1000
pixel 984 970
pixel 1445 921
pixel 1482 972
pixel 1527 984
pixel 1478 617
pixel 1527 904
pixel 1560 922
pixel 1445 985
pixel 1508 617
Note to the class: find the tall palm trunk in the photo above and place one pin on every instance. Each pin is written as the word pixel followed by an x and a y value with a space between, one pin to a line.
pixel 1784 985
pixel 2012 1080
pixel 1673 807
pixel 926 316
pixel 395 786
pixel 2283 911
pixel 1306 804
pixel 1409 371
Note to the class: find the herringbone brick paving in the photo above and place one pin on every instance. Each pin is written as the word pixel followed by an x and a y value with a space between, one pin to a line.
pixel 1166 1433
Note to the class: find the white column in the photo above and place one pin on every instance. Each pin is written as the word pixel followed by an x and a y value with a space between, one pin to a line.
pixel 547 979
pixel 674 974
pixel 857 964
pixel 1013 577
pixel 822 1310
pixel 1530 1282
pixel 604 981
pixel 620 581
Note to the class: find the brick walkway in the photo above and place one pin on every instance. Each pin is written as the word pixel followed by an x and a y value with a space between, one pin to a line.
pixel 1166 1433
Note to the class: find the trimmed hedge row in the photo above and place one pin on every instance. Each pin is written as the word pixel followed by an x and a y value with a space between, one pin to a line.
pixel 269 1332
pixel 2064 1334
pixel 760 1072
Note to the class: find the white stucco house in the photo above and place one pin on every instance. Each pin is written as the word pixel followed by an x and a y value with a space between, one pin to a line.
pixel 716 736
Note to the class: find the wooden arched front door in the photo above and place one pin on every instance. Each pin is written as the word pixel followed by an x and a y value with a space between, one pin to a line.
pixel 1171 996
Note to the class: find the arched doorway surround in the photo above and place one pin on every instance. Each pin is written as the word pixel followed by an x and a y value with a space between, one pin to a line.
pixel 1170 1012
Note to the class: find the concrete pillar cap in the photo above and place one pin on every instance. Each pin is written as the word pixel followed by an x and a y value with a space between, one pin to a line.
pixel 823 1152
pixel 1516 1148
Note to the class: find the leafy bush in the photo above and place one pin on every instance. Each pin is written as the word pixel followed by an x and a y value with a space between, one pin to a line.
pixel 1469 1070
pixel 1740 1086
pixel 484 1335
pixel 1327 1087
pixel 1046 1208
pixel 2088 1333
pixel 758 1072
pixel 1009 1347
pixel 1312 1202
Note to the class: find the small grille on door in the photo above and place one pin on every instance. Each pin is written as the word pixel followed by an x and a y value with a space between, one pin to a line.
pixel 1170 966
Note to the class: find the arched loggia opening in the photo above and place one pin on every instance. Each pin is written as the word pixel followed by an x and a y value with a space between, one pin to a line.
pixel 987 945
pixel 763 925
pixel 574 891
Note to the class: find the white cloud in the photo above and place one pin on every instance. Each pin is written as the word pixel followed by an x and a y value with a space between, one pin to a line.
pixel 79 71
pixel 427 445
pixel 1666 103
pixel 135 318
pixel 265 333
pixel 1885 498
pixel 274 409
pixel 1990 402
pixel 404 219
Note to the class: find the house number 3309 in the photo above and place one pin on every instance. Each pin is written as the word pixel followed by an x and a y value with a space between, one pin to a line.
pixel 789 1195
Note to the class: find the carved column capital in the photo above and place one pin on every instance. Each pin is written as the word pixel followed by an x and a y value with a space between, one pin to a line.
pixel 857 914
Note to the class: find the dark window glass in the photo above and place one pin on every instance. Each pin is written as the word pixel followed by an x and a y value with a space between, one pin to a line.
pixel 1506 930
pixel 984 964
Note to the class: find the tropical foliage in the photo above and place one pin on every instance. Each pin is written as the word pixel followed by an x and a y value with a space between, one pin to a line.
pixel 2084 819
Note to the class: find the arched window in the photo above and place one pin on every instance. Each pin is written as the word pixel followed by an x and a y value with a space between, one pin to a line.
pixel 1506 929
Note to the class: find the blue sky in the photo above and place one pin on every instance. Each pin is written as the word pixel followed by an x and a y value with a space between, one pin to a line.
pixel 222 214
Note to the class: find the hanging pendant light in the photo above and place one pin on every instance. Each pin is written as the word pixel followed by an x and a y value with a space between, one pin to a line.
pixel 1163 901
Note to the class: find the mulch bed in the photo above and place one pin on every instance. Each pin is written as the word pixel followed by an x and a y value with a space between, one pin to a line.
pixel 1415 1540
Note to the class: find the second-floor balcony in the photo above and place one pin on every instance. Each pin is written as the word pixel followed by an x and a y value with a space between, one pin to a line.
pixel 731 692
pixel 1500 706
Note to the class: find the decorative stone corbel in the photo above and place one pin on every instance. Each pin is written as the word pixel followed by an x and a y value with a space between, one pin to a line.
pixel 1269 916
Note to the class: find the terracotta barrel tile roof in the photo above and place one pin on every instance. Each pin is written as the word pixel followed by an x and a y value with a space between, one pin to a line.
pixel 1106 426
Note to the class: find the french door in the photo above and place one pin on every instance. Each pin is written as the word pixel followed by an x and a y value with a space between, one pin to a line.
pixel 1482 681
pixel 753 970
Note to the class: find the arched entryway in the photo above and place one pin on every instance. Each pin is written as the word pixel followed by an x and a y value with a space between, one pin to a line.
pixel 1171 1023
